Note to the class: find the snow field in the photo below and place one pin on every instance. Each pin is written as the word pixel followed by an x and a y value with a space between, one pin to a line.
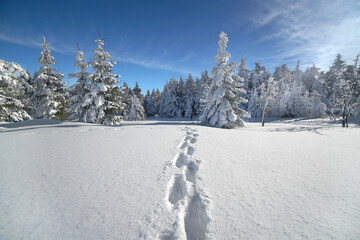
pixel 292 179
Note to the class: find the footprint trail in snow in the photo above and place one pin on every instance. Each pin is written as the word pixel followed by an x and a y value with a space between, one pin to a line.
pixel 184 199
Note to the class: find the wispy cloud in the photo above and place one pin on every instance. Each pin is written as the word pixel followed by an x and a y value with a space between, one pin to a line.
pixel 20 41
pixel 36 43
pixel 314 31
pixel 154 64
pixel 143 61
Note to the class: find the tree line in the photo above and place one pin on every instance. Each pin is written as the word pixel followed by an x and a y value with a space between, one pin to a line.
pixel 223 99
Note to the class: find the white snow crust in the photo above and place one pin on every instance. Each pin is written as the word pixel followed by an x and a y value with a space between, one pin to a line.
pixel 292 179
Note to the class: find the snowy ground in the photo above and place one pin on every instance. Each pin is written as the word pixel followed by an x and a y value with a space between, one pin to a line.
pixel 292 179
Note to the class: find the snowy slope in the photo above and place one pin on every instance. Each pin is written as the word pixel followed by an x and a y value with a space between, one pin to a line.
pixel 292 179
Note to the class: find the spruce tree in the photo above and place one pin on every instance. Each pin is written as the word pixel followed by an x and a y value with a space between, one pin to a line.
pixel 14 89
pixel 202 88
pixel 224 97
pixel 48 100
pixel 189 97
pixel 137 112
pixel 103 101
pixel 126 95
pixel 77 92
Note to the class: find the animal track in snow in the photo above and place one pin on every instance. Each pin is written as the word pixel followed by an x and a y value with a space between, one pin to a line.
pixel 190 150
pixel 178 189
pixel 196 218
pixel 191 170
pixel 192 217
pixel 187 138
pixel 184 145
pixel 181 160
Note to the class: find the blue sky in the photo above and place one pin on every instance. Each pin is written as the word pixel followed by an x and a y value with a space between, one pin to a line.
pixel 154 40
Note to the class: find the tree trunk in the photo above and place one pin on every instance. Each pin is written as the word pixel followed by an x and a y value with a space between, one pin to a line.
pixel 263 118
pixel 346 120
pixel 343 120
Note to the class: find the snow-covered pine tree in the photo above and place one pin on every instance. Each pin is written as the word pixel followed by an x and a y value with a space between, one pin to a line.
pixel 13 92
pixel 165 100
pixel 202 88
pixel 137 91
pixel 137 112
pixel 126 95
pixel 258 76
pixel 345 93
pixel 244 73
pixel 147 99
pixel 332 84
pixel 48 99
pixel 175 107
pixel 223 100
pixel 151 105
pixel 179 102
pixel 190 93
pixel 103 101
pixel 78 91
pixel 157 100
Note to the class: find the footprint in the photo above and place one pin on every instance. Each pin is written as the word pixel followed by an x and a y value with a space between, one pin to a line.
pixel 167 235
pixel 187 138
pixel 196 135
pixel 181 160
pixel 184 145
pixel 191 171
pixel 190 150
pixel 188 133
pixel 178 189
pixel 196 219
pixel 193 140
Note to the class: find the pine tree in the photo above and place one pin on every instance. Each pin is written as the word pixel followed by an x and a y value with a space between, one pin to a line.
pixel 137 91
pixel 13 92
pixel 126 95
pixel 103 101
pixel 78 91
pixel 48 100
pixel 202 88
pixel 244 73
pixel 223 101
pixel 190 94
pixel 147 100
pixel 165 101
pixel 151 105
pixel 157 100
pixel 258 76
pixel 137 112
pixel 179 98
pixel 332 84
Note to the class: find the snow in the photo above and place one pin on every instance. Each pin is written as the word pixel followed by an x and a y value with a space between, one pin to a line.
pixel 157 179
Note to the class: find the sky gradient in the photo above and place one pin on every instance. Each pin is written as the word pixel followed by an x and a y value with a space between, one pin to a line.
pixel 154 40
